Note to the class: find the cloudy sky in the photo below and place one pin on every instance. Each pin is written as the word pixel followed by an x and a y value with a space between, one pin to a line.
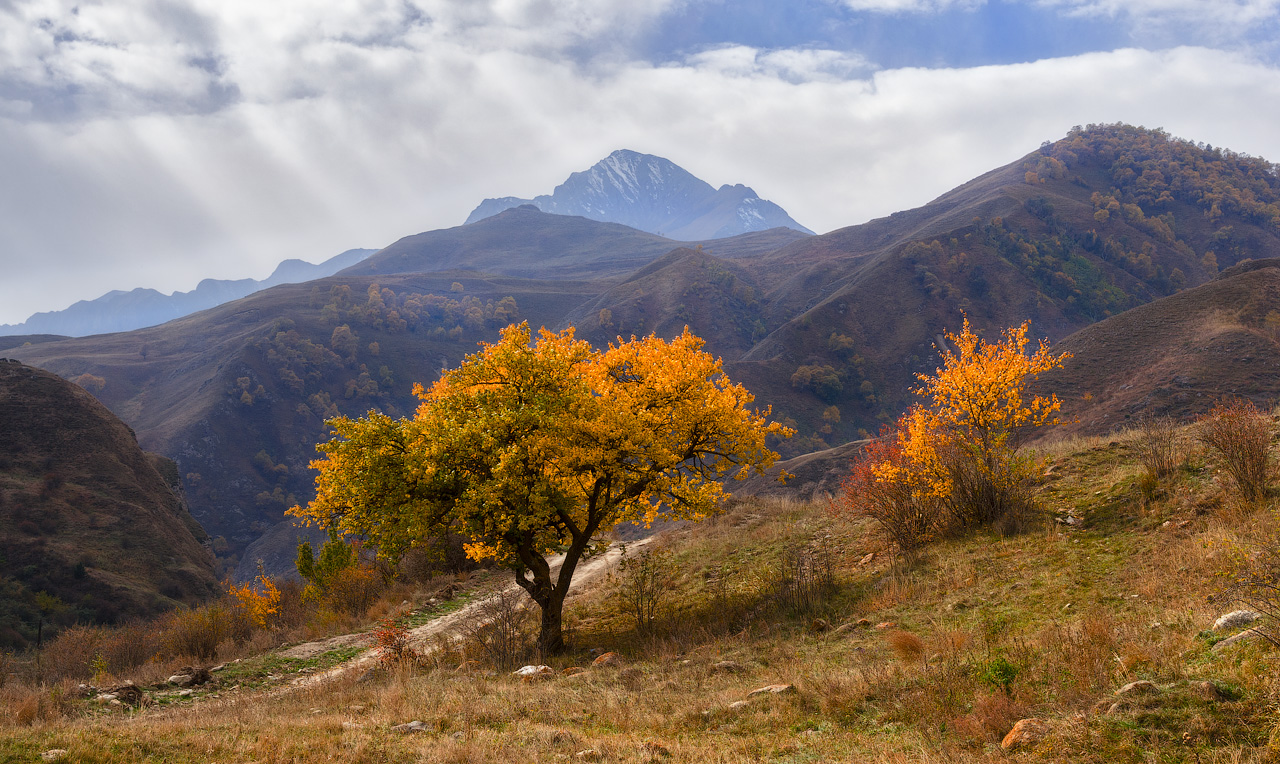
pixel 157 142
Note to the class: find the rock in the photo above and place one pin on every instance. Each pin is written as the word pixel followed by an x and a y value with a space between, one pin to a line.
pixel 1115 708
pixel 534 673
pixel 1235 619
pixel 728 667
pixel 1205 690
pixel 844 628
pixel 608 659
pixel 655 750
pixel 1248 635
pixel 773 689
pixel 181 680
pixel 368 676
pixel 863 623
pixel 217 668
pixel 1140 687
pixel 459 735
pixel 590 754
pixel 410 728
pixel 738 705
pixel 185 693
pixel 885 625
pixel 53 754
pixel 867 558
pixel 1027 732
pixel 820 625
pixel 562 737
pixel 105 697
pixel 130 694
pixel 84 691
pixel 573 671
pixel 352 726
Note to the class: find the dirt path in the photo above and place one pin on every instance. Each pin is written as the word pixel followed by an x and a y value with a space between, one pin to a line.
pixel 588 573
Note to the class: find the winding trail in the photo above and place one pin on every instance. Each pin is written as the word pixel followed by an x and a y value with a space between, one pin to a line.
pixel 589 572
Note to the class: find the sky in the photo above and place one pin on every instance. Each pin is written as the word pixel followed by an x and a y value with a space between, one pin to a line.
pixel 153 143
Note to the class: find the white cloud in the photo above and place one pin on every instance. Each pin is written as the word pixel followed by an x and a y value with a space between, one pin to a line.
pixel 217 141
pixel 910 6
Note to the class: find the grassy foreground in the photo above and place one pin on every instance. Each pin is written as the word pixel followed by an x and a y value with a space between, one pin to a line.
pixel 929 661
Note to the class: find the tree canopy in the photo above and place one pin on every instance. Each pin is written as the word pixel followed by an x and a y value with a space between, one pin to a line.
pixel 533 448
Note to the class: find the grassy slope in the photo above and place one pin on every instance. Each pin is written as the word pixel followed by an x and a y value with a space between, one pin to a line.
pixel 1076 611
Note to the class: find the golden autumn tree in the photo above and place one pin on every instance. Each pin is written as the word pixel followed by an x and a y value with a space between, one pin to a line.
pixel 956 457
pixel 532 448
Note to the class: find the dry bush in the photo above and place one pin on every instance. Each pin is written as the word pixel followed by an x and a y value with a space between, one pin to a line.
pixel 391 640
pixel 1240 435
pixel 71 654
pixel 907 646
pixel 1157 447
pixel 642 583
pixel 124 648
pixel 353 590
pixel 197 632
pixel 22 705
pixel 804 578
pixel 998 495
pixel 500 630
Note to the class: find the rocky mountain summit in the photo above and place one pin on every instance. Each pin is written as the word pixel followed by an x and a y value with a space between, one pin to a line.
pixel 655 195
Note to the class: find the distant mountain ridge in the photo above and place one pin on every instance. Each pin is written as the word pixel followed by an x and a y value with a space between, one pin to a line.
pixel 653 194
pixel 119 311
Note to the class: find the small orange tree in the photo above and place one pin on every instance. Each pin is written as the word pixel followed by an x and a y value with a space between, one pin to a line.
pixel 955 459
pixel 534 448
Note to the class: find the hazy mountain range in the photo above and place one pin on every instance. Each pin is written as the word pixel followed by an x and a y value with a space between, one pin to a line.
pixel 653 194
pixel 119 311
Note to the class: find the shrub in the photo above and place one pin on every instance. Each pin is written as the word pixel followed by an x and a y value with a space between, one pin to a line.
pixel 642 584
pixel 500 630
pixel 803 578
pixel 955 459
pixel 392 643
pixel 879 489
pixel 1241 437
pixel 197 632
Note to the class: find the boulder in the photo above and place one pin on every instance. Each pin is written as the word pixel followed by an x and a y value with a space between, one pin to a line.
pixel 410 728
pixel 1140 687
pixel 1026 733
pixel 1235 619
pixel 608 660
pixel 1248 635
pixel 590 754
pixel 1205 690
pixel 773 689
pixel 129 694
pixel 53 754
pixel 728 667
pixel 738 705
pixel 532 670
pixel 573 671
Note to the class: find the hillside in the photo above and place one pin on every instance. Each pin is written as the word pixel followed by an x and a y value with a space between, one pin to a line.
pixel 827 330
pixel 87 517
pixel 1176 356
pixel 783 632
pixel 653 194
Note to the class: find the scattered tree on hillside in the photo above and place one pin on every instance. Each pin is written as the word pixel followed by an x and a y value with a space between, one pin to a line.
pixel 533 448
pixel 954 460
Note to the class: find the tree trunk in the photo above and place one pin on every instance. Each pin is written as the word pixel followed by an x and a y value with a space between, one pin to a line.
pixel 551 636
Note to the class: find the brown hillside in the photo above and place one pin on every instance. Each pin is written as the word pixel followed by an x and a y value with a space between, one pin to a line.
pixel 1177 356
pixel 524 241
pixel 86 515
